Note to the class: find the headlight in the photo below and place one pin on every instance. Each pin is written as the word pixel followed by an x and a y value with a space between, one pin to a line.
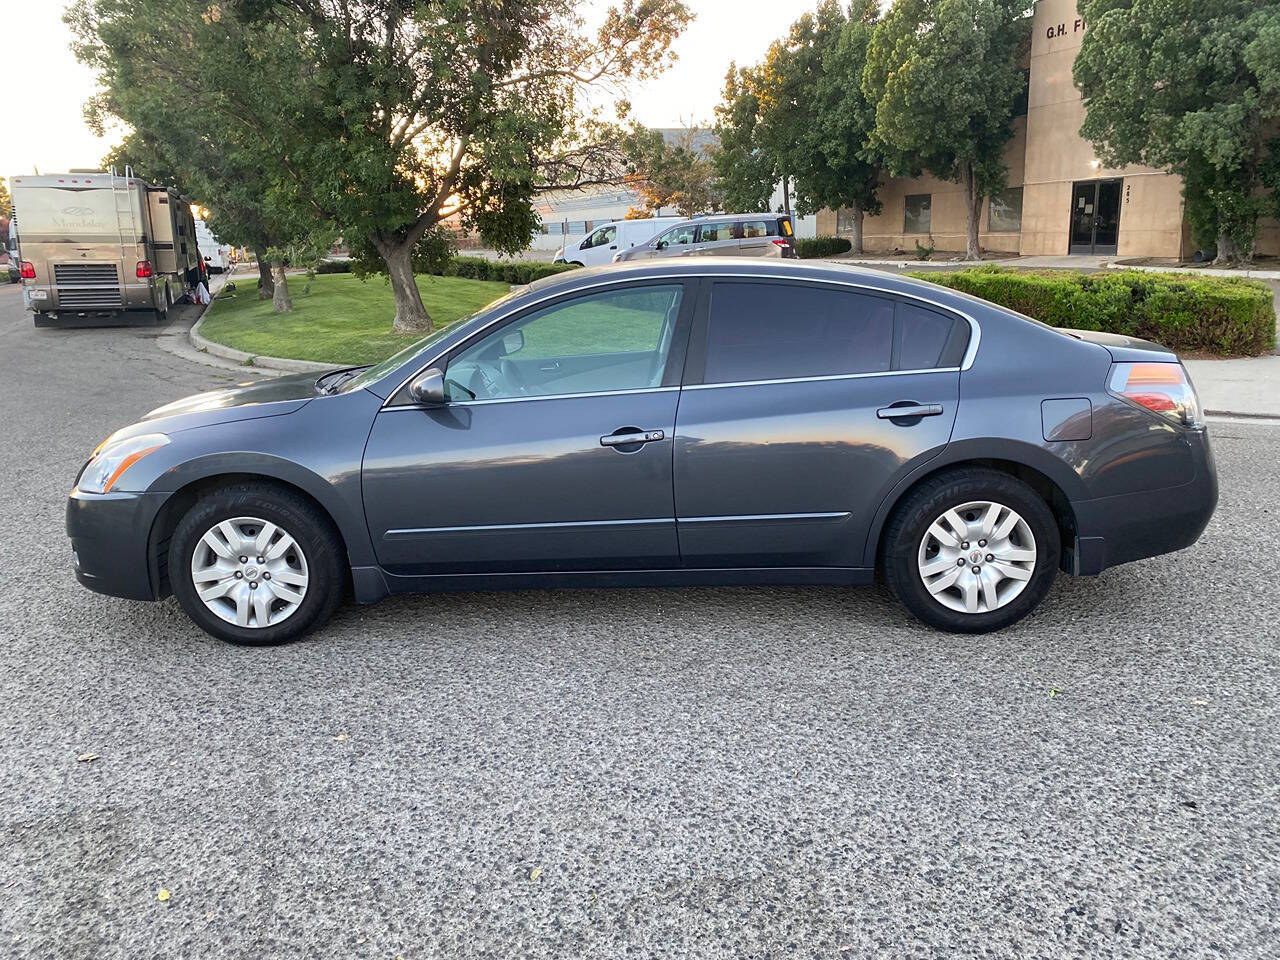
pixel 111 460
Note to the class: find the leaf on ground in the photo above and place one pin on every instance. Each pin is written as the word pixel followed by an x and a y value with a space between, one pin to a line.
pixel 535 873
pixel 342 738
pixel 87 757
pixel 162 895
pixel 1200 701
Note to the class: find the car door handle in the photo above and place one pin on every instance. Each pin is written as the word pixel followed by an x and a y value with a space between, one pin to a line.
pixel 631 437
pixel 902 411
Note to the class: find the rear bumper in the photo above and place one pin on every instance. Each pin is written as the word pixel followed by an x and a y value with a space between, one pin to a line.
pixel 109 536
pixel 1133 526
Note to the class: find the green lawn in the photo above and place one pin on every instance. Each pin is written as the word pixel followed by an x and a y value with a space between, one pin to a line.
pixel 341 320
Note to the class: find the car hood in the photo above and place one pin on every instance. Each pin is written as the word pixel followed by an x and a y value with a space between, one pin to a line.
pixel 244 401
pixel 1123 349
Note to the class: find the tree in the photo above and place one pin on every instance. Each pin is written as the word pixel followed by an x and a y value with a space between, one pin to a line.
pixel 6 214
pixel 815 119
pixel 169 68
pixel 412 114
pixel 1193 88
pixel 944 76
pixel 677 174
pixel 747 171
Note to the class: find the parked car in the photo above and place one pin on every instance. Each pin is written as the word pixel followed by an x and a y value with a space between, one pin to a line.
pixel 701 422
pixel 720 235
pixel 604 243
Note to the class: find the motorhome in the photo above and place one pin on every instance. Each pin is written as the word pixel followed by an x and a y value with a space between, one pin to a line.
pixel 99 248
pixel 216 255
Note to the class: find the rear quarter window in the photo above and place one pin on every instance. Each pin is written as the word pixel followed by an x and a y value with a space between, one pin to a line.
pixel 928 338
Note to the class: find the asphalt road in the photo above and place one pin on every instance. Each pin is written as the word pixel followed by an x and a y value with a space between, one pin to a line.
pixel 692 773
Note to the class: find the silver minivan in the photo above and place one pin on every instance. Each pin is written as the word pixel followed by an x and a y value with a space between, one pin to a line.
pixel 720 235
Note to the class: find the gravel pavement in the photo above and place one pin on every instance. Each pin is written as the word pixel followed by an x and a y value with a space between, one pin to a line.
pixel 705 773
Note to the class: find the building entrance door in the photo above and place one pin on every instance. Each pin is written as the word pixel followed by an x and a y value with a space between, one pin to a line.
pixel 1095 217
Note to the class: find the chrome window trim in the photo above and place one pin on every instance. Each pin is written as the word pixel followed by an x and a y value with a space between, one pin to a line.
pixel 970 353
pixel 549 396
pixel 765 517
pixel 830 376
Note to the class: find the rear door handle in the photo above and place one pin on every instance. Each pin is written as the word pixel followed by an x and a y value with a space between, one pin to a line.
pixel 910 410
pixel 631 437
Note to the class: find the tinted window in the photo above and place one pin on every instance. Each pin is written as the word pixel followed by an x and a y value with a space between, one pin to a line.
pixel 754 228
pixel 917 219
pixel 1005 213
pixel 717 232
pixel 773 331
pixel 617 340
pixel 928 339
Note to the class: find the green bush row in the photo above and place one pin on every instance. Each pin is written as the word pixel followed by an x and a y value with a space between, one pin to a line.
pixel 811 247
pixel 1184 312
pixel 333 266
pixel 505 271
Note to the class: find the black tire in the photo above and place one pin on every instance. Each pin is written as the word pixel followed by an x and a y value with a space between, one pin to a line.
pixel 912 518
pixel 309 526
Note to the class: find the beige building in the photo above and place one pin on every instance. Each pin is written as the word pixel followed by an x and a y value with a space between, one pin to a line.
pixel 1060 199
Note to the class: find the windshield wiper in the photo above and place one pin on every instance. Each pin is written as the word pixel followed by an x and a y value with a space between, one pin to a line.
pixel 331 382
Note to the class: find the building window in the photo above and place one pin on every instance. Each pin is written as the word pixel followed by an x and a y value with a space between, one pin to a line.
pixel 1005 214
pixel 845 220
pixel 917 219
pixel 1020 101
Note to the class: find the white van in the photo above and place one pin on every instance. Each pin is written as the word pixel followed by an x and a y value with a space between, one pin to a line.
pixel 605 242
pixel 216 255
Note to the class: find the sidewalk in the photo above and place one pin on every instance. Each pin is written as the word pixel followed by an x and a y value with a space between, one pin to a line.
pixel 1247 388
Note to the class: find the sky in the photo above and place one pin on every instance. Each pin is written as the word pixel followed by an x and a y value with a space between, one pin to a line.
pixel 46 130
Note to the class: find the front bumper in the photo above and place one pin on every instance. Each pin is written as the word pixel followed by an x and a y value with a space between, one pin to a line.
pixel 1134 526
pixel 110 534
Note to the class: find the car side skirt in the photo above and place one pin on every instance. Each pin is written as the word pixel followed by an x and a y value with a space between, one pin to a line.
pixel 725 576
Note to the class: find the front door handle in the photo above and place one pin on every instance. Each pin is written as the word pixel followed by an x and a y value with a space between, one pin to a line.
pixel 902 411
pixel 630 437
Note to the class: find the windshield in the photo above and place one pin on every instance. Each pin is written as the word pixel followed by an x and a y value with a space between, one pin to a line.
pixel 379 370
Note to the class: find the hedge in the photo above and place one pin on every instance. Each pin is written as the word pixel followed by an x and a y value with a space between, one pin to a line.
pixel 505 271
pixel 475 268
pixel 1184 312
pixel 811 247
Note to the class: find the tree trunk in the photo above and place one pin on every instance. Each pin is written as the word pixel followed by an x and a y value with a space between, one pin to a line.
pixel 266 285
pixel 1227 252
pixel 972 212
pixel 280 301
pixel 856 239
pixel 411 315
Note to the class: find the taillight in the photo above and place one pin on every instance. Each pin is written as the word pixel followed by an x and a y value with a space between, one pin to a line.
pixel 27 270
pixel 779 242
pixel 144 269
pixel 1163 388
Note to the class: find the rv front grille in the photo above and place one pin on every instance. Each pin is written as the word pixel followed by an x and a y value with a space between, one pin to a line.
pixel 87 286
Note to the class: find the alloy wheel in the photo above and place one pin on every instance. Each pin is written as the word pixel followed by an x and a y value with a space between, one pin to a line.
pixel 249 572
pixel 977 557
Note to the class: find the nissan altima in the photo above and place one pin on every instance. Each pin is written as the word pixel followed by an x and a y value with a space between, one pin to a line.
pixel 715 421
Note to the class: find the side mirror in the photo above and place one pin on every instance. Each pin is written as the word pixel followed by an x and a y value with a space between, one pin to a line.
pixel 661 245
pixel 428 387
pixel 512 342
pixel 585 244
pixel 208 259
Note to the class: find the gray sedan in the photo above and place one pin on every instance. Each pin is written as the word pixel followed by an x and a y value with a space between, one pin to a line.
pixel 709 421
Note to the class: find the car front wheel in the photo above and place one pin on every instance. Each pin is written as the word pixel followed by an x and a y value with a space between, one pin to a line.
pixel 258 565
pixel 972 550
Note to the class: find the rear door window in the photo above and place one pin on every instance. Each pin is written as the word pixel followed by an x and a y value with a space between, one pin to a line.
pixel 717 232
pixel 777 331
pixel 752 229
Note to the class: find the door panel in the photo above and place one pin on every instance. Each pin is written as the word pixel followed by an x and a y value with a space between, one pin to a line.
pixel 1083 205
pixel 1107 226
pixel 522 485
pixel 791 473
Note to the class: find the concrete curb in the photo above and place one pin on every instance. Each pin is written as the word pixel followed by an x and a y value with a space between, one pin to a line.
pixel 278 364
pixel 1199 271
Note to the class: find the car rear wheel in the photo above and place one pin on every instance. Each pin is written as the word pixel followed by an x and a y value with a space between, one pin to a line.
pixel 972 550
pixel 254 564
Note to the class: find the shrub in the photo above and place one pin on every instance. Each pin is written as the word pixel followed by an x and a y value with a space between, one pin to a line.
pixel 1220 315
pixel 333 266
pixel 923 252
pixel 812 247
pixel 505 271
